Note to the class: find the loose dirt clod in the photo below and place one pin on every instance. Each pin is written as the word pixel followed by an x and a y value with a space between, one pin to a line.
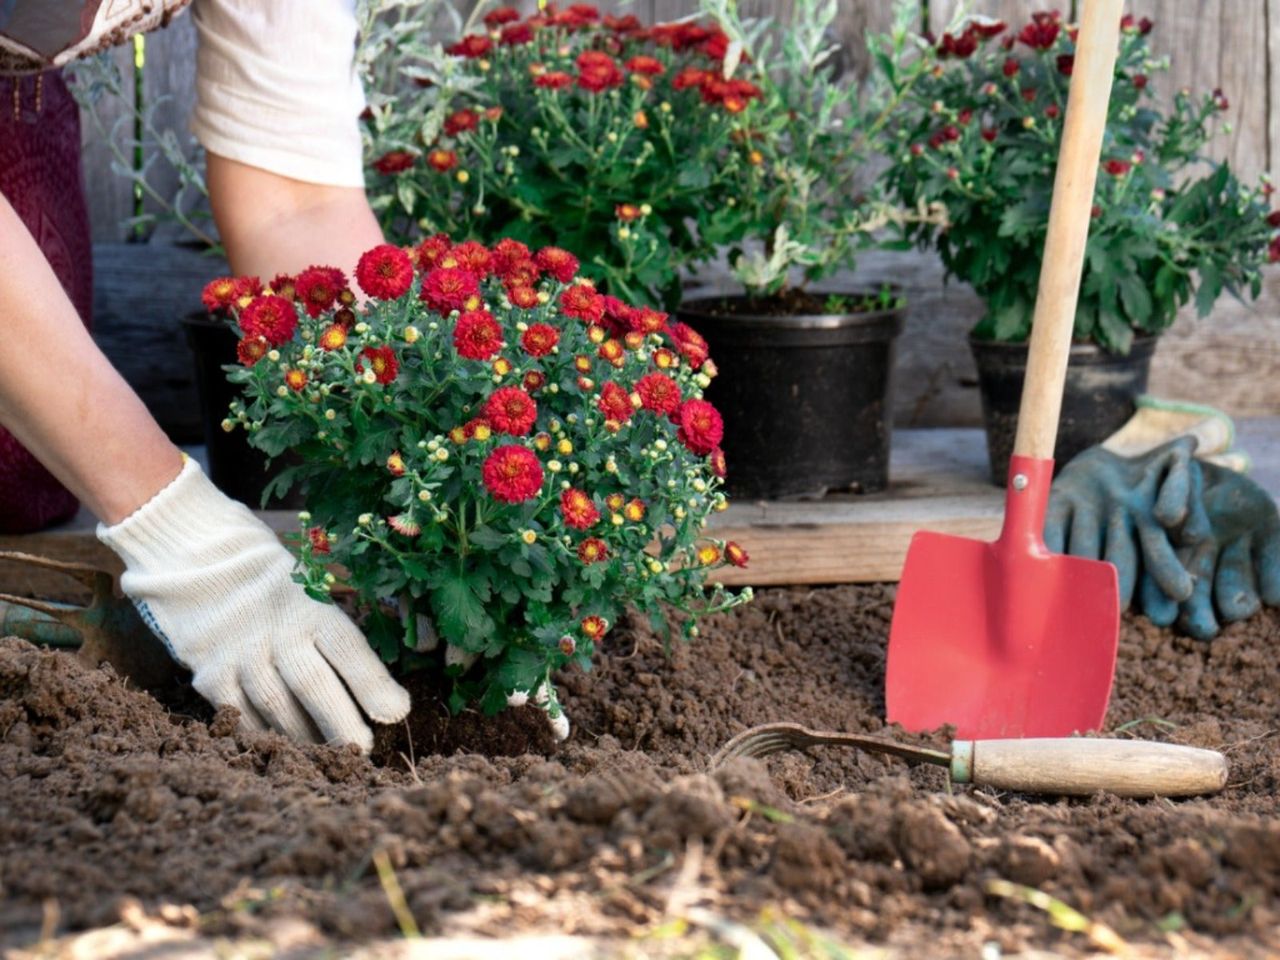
pixel 109 798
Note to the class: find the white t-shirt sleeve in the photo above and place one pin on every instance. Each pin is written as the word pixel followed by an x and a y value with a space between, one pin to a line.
pixel 276 87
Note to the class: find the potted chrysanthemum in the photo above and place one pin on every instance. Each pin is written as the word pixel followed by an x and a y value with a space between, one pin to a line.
pixel 979 132
pixel 806 367
pixel 497 457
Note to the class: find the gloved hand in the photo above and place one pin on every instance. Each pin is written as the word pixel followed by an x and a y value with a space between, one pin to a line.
pixel 216 586
pixel 1107 507
pixel 1236 567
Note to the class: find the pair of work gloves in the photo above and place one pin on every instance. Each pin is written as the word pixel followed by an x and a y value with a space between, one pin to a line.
pixel 1195 542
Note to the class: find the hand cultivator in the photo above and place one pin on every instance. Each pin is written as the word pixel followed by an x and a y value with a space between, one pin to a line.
pixel 107 630
pixel 1067 766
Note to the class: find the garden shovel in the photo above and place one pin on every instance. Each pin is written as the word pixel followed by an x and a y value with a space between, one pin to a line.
pixel 1005 639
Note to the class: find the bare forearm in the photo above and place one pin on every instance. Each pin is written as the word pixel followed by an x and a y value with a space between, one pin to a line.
pixel 272 224
pixel 62 398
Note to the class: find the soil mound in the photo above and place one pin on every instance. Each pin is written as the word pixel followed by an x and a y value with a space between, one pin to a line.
pixel 110 795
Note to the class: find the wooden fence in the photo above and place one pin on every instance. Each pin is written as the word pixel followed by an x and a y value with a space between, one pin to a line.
pixel 1232 359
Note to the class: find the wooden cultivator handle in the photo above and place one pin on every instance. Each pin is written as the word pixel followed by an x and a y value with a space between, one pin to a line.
pixel 1063 259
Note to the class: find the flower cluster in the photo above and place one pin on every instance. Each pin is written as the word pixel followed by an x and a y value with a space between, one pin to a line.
pixel 637 130
pixel 491 443
pixel 980 132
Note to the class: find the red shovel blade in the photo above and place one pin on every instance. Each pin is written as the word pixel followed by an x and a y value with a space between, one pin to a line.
pixel 1003 639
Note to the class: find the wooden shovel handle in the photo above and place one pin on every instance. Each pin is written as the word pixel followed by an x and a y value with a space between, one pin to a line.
pixel 1063 259
pixel 1073 766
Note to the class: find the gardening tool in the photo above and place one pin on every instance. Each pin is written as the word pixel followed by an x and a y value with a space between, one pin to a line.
pixel 1064 766
pixel 1005 639
pixel 107 630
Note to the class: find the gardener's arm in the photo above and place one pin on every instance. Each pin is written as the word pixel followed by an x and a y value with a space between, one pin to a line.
pixel 275 224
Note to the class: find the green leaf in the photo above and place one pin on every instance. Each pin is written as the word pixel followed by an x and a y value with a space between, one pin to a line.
pixel 459 612
pixel 1210 288
pixel 487 538
pixel 1135 298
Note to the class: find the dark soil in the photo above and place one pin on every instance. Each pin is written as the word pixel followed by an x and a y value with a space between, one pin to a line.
pixel 108 795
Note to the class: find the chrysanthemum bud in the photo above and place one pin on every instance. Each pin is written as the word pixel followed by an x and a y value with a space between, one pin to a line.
pixel 411 334
pixel 365 519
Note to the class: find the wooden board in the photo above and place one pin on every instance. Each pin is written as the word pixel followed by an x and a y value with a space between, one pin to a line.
pixel 939 482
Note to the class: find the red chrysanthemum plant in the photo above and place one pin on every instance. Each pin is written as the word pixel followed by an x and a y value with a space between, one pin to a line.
pixel 979 132
pixel 491 451
pixel 568 128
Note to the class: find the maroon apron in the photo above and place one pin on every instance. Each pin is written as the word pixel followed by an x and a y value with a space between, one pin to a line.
pixel 40 176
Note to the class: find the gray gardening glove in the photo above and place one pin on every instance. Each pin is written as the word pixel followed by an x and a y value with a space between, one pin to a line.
pixel 1236 567
pixel 1133 512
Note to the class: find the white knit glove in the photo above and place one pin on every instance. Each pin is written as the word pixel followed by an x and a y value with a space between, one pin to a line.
pixel 216 586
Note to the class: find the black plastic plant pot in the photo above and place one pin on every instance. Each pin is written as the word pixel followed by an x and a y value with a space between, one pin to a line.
pixel 1098 398
pixel 237 469
pixel 806 399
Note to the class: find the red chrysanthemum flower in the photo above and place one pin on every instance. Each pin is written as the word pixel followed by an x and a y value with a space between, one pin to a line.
pixel 395 464
pixel 526 298
pixel 598 71
pixel 615 402
pixel 717 461
pixel 553 80
pixel 385 272
pixel 628 24
pixel 534 380
pixel 319 540
pixel 701 426
pixel 317 288
pixel 634 510
pixel 472 47
pixel 690 343
pixel 540 339
pixel 734 553
pixel 582 302
pixel 1042 31
pixel 477 336
pixel 648 66
pixel 664 359
pixel 429 252
pixel 593 550
pixel 220 294
pixel 512 474
pixel 612 351
pixel 708 554
pixel 578 509
pixel 272 318
pixel 460 121
pixel 510 410
pixel 474 257
pixel 506 253
pixel 441 160
pixel 561 264
pixel 516 35
pixel 1117 168
pixel 333 337
pixel 659 393
pixel 282 285
pixel 1011 67
pixel 1066 63
pixel 615 502
pixel 496 18
pixel 960 47
pixel 594 627
pixel 450 288
pixel 689 77
pixel 1273 250
pixel 404 524
pixel 295 379
pixel 382 361
pixel 647 320
pixel 252 349
pixel 626 212
pixel 521 273
pixel 397 161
